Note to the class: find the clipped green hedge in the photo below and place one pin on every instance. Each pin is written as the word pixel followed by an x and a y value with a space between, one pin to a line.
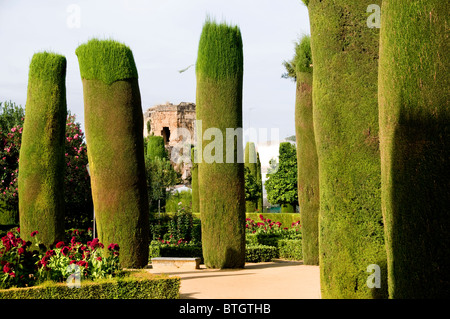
pixel 260 253
pixel 138 285
pixel 219 73
pixel 290 249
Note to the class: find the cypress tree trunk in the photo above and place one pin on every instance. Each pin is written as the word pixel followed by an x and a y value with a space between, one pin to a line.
pixel 219 72
pixel 114 125
pixel 345 106
pixel 194 183
pixel 415 146
pixel 41 165
pixel 307 168
pixel 250 160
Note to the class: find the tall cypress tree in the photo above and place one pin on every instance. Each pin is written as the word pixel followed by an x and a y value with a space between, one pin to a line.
pixel 41 166
pixel 114 125
pixel 345 107
pixel 415 146
pixel 308 170
pixel 219 71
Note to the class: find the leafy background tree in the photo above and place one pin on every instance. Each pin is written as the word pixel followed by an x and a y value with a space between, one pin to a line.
pixel 77 185
pixel 252 187
pixel 11 125
pixel 281 184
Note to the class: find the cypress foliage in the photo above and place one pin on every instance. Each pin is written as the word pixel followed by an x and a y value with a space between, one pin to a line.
pixel 307 168
pixel 345 107
pixel 250 159
pixel 41 166
pixel 415 146
pixel 155 147
pixel 114 125
pixel 194 183
pixel 219 71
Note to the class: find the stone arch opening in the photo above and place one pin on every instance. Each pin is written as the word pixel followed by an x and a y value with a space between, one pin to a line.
pixel 165 133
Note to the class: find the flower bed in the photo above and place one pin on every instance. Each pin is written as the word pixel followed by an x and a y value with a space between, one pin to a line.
pixel 24 264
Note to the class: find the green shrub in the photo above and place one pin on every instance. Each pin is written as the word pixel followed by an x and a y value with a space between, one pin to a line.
pixel 290 249
pixel 41 166
pixel 135 285
pixel 114 126
pixel 415 146
pixel 260 253
pixel 219 72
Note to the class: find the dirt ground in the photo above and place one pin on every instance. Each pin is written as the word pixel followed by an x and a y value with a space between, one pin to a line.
pixel 278 279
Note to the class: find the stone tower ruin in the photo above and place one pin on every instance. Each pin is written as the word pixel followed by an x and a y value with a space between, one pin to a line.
pixel 165 120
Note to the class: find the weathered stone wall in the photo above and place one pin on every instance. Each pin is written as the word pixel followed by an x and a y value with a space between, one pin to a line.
pixel 166 120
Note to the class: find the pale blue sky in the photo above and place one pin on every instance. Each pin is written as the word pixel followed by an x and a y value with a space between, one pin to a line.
pixel 163 35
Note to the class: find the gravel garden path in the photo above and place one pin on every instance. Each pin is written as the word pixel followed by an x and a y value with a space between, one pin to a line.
pixel 279 279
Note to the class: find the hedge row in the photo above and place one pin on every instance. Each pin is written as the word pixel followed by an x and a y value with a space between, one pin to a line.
pixel 260 253
pixel 138 285
pixel 290 249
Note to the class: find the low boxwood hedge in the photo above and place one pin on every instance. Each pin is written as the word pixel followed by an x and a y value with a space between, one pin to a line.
pixel 260 253
pixel 290 249
pixel 134 285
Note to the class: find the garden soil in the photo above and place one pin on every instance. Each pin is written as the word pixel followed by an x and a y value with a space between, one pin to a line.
pixel 279 279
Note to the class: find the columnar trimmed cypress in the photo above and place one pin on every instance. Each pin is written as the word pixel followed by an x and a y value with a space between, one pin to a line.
pixel 41 166
pixel 259 180
pixel 219 71
pixel 155 147
pixel 114 125
pixel 345 107
pixel 307 168
pixel 250 159
pixel 415 146
pixel 194 183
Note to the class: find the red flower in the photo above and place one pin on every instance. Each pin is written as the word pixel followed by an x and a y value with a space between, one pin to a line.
pixel 261 217
pixel 60 244
pixel 6 268
pixel 113 247
pixel 34 233
pixel 65 250
pixel 21 251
